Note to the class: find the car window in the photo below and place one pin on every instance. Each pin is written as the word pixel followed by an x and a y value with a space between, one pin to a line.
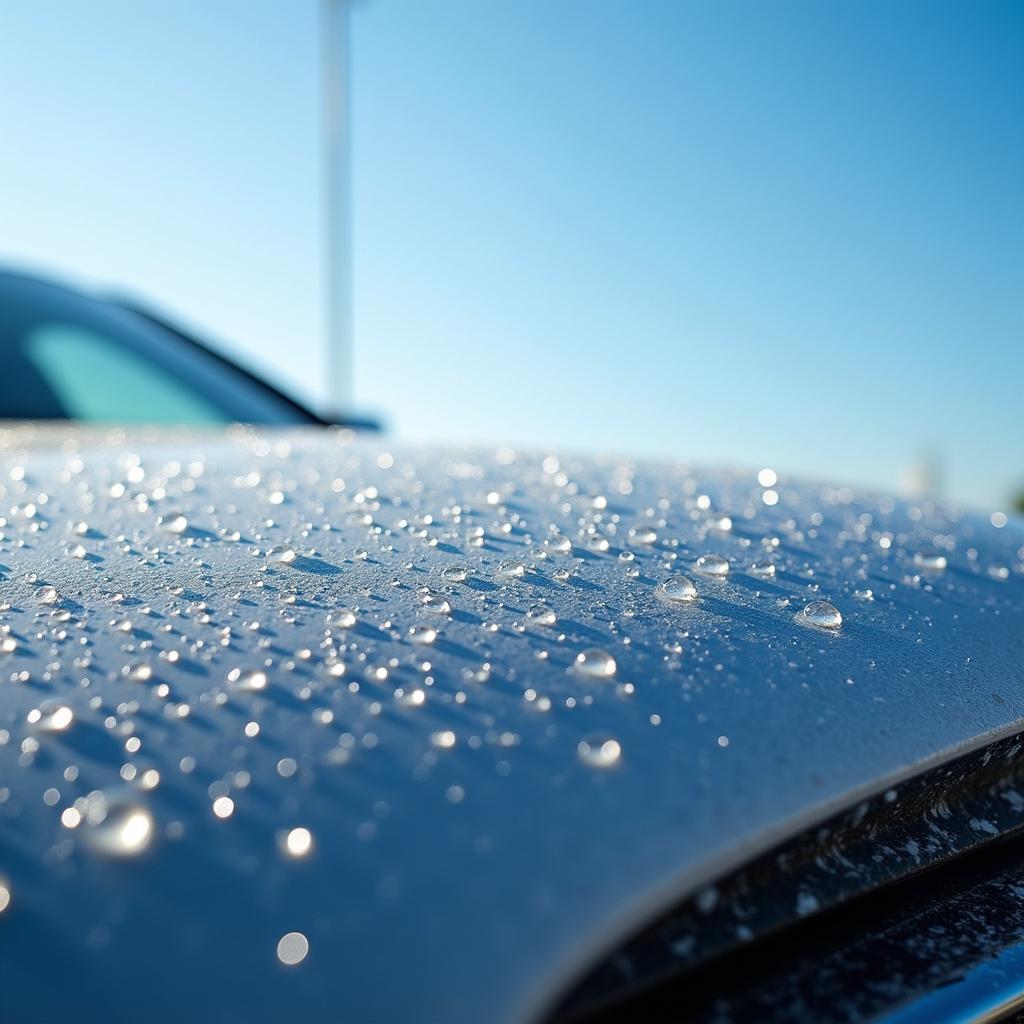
pixel 94 378
pixel 67 356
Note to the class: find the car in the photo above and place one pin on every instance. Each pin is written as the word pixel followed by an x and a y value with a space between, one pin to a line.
pixel 72 356
pixel 298 724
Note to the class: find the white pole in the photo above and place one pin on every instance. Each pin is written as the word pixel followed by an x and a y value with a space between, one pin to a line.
pixel 337 204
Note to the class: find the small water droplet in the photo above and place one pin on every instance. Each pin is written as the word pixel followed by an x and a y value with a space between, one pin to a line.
pixel 117 828
pixel 436 604
pixel 511 569
pixel 292 948
pixel 422 634
pixel 643 535
pixel 51 716
pixel 763 569
pixel 599 750
pixel 223 807
pixel 282 554
pixel 678 588
pixel 47 595
pixel 455 574
pixel 172 522
pixel 930 560
pixel 541 615
pixel 823 614
pixel 595 663
pixel 712 565
pixel 558 543
pixel 250 679
pixel 341 618
pixel 298 842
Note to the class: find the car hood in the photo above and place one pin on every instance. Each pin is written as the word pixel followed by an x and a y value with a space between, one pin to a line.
pixel 183 685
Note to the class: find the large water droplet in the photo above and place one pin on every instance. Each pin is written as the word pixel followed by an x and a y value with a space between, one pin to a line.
pixel 823 614
pixel 455 574
pixel 763 569
pixel 422 634
pixel 599 750
pixel 282 554
pixel 595 663
pixel 712 565
pixel 511 569
pixel 678 588
pixel 47 595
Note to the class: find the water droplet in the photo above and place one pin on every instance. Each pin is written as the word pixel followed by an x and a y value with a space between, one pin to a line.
pixel 541 615
pixel 455 574
pixel 422 634
pixel 292 948
pixel 643 535
pixel 76 551
pixel 712 565
pixel 595 663
pixel 678 588
pixel 282 554
pixel 341 618
pixel 139 672
pixel 117 828
pixel 930 560
pixel 172 522
pixel 599 750
pixel 223 807
pixel 822 614
pixel 511 569
pixel 558 543
pixel 51 716
pixel 763 569
pixel 298 842
pixel 47 595
pixel 436 604
pixel 250 679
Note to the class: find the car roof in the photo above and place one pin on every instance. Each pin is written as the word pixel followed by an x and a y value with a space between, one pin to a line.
pixel 486 818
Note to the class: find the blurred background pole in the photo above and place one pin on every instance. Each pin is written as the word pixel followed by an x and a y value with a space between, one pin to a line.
pixel 337 203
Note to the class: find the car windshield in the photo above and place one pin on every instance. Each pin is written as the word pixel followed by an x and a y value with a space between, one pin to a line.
pixel 66 356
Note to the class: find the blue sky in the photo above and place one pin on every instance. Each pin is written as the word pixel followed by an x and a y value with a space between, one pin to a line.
pixel 759 233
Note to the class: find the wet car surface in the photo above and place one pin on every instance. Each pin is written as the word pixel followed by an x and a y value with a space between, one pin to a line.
pixel 293 727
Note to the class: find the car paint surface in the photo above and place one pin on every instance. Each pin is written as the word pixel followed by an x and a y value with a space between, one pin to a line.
pixel 469 852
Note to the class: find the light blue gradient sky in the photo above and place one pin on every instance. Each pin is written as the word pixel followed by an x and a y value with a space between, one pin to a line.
pixel 764 233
